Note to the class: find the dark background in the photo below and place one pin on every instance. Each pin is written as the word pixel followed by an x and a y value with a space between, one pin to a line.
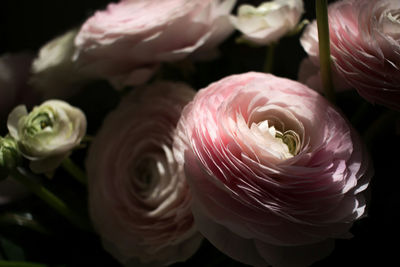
pixel 26 25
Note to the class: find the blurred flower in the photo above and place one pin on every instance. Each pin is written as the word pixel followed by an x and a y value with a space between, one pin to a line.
pixel 365 47
pixel 269 21
pixel 48 133
pixel 55 75
pixel 139 201
pixel 126 42
pixel 14 73
pixel 275 171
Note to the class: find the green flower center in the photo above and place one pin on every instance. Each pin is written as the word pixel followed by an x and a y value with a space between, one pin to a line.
pixel 38 123
pixel 291 139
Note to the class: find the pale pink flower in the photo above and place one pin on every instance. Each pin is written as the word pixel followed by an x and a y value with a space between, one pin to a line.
pixel 126 42
pixel 365 47
pixel 276 172
pixel 139 200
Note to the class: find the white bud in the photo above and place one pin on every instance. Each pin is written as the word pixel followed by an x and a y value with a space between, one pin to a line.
pixel 48 133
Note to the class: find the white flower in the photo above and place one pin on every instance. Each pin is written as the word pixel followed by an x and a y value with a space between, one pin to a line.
pixel 54 72
pixel 48 133
pixel 268 22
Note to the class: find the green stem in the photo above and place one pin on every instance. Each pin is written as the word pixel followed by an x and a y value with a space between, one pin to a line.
pixel 51 199
pixel 269 60
pixel 87 139
pixel 321 7
pixel 20 264
pixel 74 170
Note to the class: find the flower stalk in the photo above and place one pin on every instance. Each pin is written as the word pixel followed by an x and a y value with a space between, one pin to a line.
pixel 321 7
pixel 74 170
pixel 269 60
pixel 50 198
pixel 20 264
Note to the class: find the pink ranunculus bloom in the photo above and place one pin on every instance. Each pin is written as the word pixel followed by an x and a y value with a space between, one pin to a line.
pixel 276 172
pixel 365 47
pixel 127 42
pixel 139 200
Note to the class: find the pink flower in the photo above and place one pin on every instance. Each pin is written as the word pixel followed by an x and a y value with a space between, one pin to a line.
pixel 126 42
pixel 365 47
pixel 275 171
pixel 139 200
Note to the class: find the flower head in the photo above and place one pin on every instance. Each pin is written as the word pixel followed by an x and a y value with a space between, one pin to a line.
pixel 269 21
pixel 139 200
pixel 48 133
pixel 365 47
pixel 127 42
pixel 274 169
pixel 54 73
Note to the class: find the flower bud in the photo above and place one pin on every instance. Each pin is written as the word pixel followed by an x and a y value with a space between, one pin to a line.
pixel 48 133
pixel 10 156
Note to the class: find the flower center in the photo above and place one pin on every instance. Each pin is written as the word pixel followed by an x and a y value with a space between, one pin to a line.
pixel 146 174
pixel 391 22
pixel 288 142
pixel 40 122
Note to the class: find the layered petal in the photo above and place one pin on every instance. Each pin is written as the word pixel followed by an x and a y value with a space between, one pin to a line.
pixel 365 47
pixel 272 162
pixel 127 42
pixel 139 200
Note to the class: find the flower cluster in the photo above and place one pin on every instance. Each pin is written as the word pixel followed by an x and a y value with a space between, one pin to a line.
pixel 264 169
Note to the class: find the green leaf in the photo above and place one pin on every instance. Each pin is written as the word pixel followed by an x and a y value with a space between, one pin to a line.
pixel 11 250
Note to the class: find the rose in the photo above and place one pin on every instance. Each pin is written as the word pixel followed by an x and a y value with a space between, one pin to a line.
pixel 276 173
pixel 127 42
pixel 269 21
pixel 54 73
pixel 365 47
pixel 139 201
pixel 48 133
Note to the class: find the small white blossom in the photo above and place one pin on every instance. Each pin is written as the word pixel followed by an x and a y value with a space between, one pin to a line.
pixel 268 22
pixel 48 133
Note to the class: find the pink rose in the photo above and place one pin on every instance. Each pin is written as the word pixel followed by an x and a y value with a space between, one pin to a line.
pixel 139 200
pixel 126 42
pixel 365 47
pixel 276 173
